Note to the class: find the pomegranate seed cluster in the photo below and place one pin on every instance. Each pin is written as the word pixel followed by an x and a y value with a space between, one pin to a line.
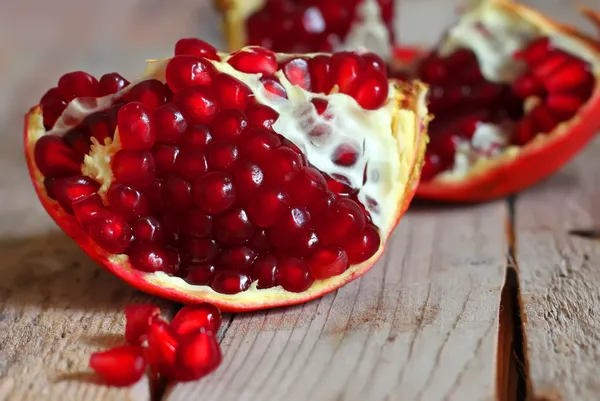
pixel 202 187
pixel 292 26
pixel 551 89
pixel 183 350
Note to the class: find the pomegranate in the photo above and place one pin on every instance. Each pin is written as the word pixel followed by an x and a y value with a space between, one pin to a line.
pixel 306 26
pixel 515 96
pixel 248 180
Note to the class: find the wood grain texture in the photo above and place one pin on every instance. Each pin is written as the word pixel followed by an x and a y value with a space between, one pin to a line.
pixel 422 325
pixel 560 281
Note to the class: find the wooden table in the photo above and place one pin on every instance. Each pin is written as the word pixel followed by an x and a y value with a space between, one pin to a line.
pixel 432 321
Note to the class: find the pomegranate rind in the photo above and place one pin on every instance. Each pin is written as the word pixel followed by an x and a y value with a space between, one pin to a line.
pixel 518 168
pixel 409 125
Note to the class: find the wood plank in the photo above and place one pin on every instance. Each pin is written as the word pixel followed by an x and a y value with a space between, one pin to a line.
pixel 422 325
pixel 560 278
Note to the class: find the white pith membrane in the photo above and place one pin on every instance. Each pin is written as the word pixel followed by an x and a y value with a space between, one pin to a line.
pixel 389 155
pixel 508 30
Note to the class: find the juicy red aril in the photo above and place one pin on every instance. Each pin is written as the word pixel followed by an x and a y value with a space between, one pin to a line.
pixel 563 105
pixel 236 259
pixel 526 86
pixel 54 158
pixel 230 92
pixel 191 318
pixel 148 229
pixel 361 247
pixel 100 126
pixel 536 51
pixel 120 366
pixel 267 207
pixel 228 282
pixel 197 355
pixel 264 270
pixel 543 119
pixel 111 232
pixel 328 262
pixel 375 62
pixel 176 193
pixel 261 116
pixel 319 68
pixel 79 142
pixel 68 190
pixel 290 228
pixel 234 227
pixel 345 69
pixel 185 71
pixel 345 155
pixel 162 345
pixel 87 208
pixel 196 223
pixel 254 60
pixel 221 155
pixel 297 72
pixel 139 317
pixel 169 124
pixel 293 274
pixel 570 76
pixel 196 47
pixel 257 142
pixel 52 108
pixel 196 250
pixel 247 178
pixel 135 126
pixel 214 192
pixel 190 164
pixel 151 257
pixel 307 186
pixel 126 202
pixel 77 84
pixel 341 221
pixel 200 274
pixel 134 168
pixel 111 83
pixel 273 87
pixel 164 158
pixel 432 166
pixel 370 89
pixel 197 104
pixel 151 93
pixel 283 164
pixel 229 124
pixel 153 194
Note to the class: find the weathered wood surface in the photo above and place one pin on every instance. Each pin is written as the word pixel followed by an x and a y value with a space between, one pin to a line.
pixel 560 281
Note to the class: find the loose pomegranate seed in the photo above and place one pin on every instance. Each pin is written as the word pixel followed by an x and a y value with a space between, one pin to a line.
pixel 196 223
pixel 134 168
pixel 328 262
pixel 111 83
pixel 78 84
pixel 54 158
pixel 120 366
pixel 68 190
pixel 360 248
pixel 254 60
pixel 169 124
pixel 127 202
pixel 214 192
pixel 200 274
pixel 228 282
pixel 293 274
pixel 185 71
pixel 139 317
pixel 191 318
pixel 230 92
pixel 151 93
pixel 111 232
pixel 264 270
pixel 148 229
pixel 162 347
pixel 196 47
pixel 197 104
pixel 151 257
pixel 197 355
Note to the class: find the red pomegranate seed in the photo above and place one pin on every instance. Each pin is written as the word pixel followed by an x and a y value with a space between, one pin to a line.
pixel 100 126
pixel 191 318
pixel 264 270
pixel 148 229
pixel 328 262
pixel 293 274
pixel 111 83
pixel 433 70
pixel 274 88
pixel 345 155
pixel 569 77
pixel 290 228
pixel 88 207
pixel 268 206
pixel 169 124
pixel 79 142
pixel 297 72
pixel 151 93
pixel 254 60
pixel 340 222
pixel 370 90
pixel 200 274
pixel 68 190
pixel 307 186
pixel 120 366
pixel 134 168
pixel 195 250
pixel 196 138
pixel 230 92
pixel 196 223
pixel 320 105
pixel 257 143
pixel 526 86
pixel 197 355
pixel 524 132
pixel 196 47
pixel 185 71
pixel 214 192
pixel 360 248
pixel 545 68
pixel 54 158
pixel 77 84
pixel 49 185
pixel 111 232
pixel 306 245
pixel 536 51
pixel 339 186
pixel 282 165
pixel 432 166
pixel 162 346
pixel 164 158
pixel 221 155
pixel 229 124
pixel 261 116
pixel 135 127
pixel 52 109
pixel 152 257
pixel 563 106
pixel 319 68
pixel 260 241
pixel 154 196
pixel 233 228
pixel 190 165
pixel 236 259
pixel 127 202
pixel 345 69
pixel 543 119
pixel 139 317
pixel 197 104
pixel 375 62
pixel 228 282
pixel 247 178
pixel 176 193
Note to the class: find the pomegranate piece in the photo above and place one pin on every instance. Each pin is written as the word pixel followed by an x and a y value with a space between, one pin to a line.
pixel 192 318
pixel 197 355
pixel 120 366
pixel 162 347
pixel 139 317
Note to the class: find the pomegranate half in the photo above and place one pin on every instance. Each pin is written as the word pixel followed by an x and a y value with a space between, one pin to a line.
pixel 248 180
pixel 307 26
pixel 514 96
